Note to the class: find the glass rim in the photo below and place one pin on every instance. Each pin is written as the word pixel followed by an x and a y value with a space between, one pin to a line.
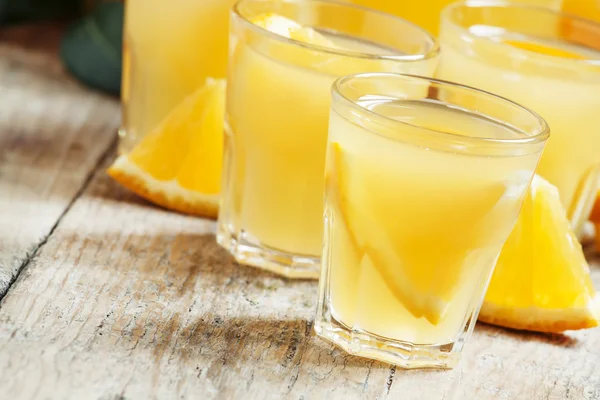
pixel 539 137
pixel 446 16
pixel 431 40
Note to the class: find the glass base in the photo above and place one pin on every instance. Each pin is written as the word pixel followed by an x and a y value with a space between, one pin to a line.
pixel 249 252
pixel 402 354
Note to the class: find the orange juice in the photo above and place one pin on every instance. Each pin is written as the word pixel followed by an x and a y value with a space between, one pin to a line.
pixel 427 13
pixel 421 194
pixel 419 257
pixel 544 68
pixel 279 84
pixel 170 48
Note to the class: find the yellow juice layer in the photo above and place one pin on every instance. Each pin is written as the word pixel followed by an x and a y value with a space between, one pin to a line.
pixel 278 163
pixel 170 48
pixel 276 132
pixel 414 233
pixel 569 103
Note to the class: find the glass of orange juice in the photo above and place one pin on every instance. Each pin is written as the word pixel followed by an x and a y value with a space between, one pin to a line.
pixel 284 56
pixel 552 66
pixel 427 13
pixel 589 9
pixel 424 182
pixel 170 48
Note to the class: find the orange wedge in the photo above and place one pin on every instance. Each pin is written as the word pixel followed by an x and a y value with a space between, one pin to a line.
pixel 542 282
pixel 374 246
pixel 545 50
pixel 178 165
pixel 595 218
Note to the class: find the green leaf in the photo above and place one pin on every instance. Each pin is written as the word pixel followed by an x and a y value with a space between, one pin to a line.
pixel 91 48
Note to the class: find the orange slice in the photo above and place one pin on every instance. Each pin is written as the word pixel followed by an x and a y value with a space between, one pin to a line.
pixel 373 244
pixel 542 280
pixel 545 49
pixel 178 165
pixel 595 218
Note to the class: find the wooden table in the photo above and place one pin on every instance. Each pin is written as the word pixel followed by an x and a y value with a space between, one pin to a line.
pixel 105 296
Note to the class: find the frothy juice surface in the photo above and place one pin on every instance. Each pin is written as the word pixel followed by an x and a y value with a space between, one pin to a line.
pixel 413 232
pixel 540 78
pixel 170 48
pixel 276 133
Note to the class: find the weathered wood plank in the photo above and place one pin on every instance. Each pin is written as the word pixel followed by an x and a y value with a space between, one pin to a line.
pixel 129 301
pixel 126 299
pixel 53 133
pixel 503 364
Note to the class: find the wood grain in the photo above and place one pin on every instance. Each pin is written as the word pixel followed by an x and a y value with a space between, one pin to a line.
pixel 52 136
pixel 129 301
pixel 125 299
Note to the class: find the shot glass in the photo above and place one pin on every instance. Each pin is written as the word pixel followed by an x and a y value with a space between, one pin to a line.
pixel 277 115
pixel 424 182
pixel 170 48
pixel 552 67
